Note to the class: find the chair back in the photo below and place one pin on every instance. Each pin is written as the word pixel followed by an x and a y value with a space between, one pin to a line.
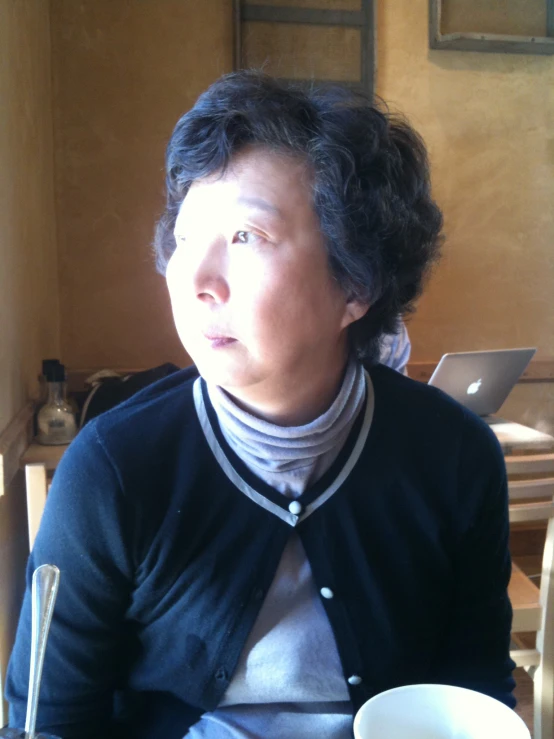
pixel 36 483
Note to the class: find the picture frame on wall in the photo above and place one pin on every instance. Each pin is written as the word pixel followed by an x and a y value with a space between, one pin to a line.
pixel 502 43
pixel 300 43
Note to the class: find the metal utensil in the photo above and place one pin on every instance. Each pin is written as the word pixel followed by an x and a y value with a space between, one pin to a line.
pixel 46 579
pixel 22 734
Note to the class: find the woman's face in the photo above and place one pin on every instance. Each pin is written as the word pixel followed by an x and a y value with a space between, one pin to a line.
pixel 254 302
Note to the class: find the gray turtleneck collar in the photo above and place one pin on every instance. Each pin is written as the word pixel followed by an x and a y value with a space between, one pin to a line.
pixel 290 458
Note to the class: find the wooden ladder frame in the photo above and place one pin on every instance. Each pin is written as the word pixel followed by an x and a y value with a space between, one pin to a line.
pixel 363 19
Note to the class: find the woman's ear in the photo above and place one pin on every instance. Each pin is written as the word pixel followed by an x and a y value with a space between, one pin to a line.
pixel 354 310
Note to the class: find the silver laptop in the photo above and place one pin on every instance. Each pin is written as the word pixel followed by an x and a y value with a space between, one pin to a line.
pixel 481 380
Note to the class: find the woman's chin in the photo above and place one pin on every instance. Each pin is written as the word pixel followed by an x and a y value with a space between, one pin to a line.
pixel 224 374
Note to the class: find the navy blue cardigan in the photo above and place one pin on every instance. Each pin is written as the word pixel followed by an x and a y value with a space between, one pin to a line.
pixel 167 545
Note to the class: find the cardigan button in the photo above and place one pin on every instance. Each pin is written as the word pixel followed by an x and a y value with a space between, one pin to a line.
pixel 221 674
pixel 295 507
pixel 354 680
pixel 327 593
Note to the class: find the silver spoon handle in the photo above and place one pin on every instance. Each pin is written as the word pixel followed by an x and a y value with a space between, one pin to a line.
pixel 46 580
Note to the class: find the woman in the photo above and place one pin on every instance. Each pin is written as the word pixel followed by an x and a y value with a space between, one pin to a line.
pixel 256 545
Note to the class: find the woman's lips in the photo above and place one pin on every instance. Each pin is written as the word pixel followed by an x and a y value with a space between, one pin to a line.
pixel 219 342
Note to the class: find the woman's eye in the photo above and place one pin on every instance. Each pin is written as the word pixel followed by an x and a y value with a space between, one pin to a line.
pixel 245 237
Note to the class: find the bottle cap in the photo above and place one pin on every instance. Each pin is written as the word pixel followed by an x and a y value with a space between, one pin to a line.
pixel 46 363
pixel 55 372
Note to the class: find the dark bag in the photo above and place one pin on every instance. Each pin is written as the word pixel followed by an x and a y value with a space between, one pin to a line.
pixel 108 392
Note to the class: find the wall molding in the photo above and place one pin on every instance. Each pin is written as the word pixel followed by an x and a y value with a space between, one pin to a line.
pixel 14 440
pixel 539 370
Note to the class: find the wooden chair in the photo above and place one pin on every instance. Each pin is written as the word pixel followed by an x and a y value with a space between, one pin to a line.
pixel 531 488
pixel 36 483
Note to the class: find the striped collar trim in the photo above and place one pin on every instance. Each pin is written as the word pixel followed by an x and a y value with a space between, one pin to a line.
pixel 281 509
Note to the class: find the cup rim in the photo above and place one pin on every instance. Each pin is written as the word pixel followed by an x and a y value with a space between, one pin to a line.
pixel 442 686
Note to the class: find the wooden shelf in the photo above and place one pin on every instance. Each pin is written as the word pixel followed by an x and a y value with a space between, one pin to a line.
pixel 40 454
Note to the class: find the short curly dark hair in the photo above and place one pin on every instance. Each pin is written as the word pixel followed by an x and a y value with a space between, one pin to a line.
pixel 371 185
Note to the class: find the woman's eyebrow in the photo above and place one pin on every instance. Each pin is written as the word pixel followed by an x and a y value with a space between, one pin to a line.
pixel 261 204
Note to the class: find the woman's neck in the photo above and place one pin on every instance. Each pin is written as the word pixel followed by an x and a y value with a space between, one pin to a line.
pixel 295 403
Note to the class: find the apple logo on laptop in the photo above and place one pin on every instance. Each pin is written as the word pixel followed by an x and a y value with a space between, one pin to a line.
pixel 474 387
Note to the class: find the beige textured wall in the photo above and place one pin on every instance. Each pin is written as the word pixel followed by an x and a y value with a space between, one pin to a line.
pixel 123 73
pixel 28 272
pixel 29 313
pixel 488 120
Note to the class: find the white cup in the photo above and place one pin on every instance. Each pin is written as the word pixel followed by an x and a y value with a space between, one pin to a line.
pixel 436 712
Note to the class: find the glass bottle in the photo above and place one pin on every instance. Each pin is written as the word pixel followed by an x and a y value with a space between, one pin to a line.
pixel 56 419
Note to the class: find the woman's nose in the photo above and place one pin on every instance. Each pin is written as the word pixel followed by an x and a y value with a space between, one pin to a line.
pixel 210 272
